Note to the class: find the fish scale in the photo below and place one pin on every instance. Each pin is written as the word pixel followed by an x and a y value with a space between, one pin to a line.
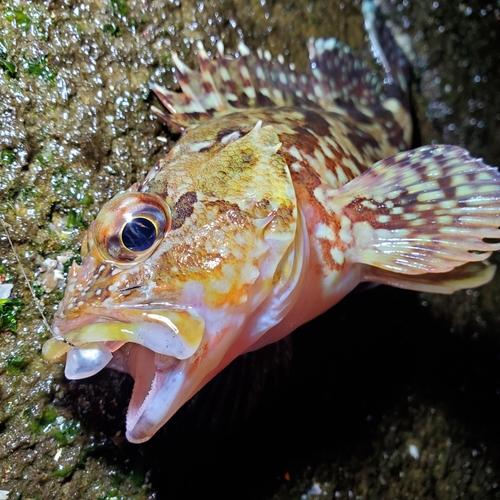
pixel 285 191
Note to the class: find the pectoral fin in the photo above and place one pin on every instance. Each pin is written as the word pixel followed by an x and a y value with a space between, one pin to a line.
pixel 429 210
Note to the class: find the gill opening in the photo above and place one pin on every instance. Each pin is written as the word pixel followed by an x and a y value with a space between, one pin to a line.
pixel 30 288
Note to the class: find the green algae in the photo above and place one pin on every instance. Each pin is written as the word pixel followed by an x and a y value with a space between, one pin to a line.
pixel 7 157
pixel 66 431
pixel 39 67
pixel 112 29
pixel 10 67
pixel 62 471
pixel 76 220
pixel 9 312
pixel 18 18
pixel 16 364
pixel 48 416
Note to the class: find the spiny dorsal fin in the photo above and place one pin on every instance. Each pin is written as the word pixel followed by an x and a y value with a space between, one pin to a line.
pixel 337 79
pixel 226 84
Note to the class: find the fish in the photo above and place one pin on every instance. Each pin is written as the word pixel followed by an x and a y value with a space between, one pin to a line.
pixel 284 192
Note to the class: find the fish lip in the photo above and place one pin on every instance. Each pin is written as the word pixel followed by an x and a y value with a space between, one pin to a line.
pixel 176 333
pixel 64 322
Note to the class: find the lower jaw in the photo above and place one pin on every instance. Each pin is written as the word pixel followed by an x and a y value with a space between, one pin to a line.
pixel 156 394
pixel 156 353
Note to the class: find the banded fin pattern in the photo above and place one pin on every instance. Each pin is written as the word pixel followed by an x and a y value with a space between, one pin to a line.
pixel 227 84
pixel 386 50
pixel 338 75
pixel 423 211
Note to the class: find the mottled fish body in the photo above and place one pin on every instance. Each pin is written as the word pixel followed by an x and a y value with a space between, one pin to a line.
pixel 284 192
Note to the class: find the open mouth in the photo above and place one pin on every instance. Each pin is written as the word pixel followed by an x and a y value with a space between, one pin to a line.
pixel 154 348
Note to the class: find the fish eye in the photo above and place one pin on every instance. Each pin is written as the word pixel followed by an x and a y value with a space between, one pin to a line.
pixel 130 226
pixel 139 234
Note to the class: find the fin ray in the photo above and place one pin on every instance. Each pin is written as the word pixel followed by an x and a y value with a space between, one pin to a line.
pixel 386 50
pixel 339 75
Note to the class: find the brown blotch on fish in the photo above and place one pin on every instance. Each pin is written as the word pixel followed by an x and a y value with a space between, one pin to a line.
pixel 183 209
pixel 316 122
pixel 362 140
pixel 363 209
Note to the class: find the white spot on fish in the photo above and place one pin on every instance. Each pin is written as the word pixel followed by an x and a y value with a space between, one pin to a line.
pixel 445 220
pixel 224 73
pixel 383 219
pixel 345 233
pixel 227 139
pixel 295 152
pixel 409 216
pixel 325 232
pixel 197 146
pixel 337 256
pixel 341 176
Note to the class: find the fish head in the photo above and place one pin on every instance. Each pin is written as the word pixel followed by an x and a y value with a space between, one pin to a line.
pixel 175 270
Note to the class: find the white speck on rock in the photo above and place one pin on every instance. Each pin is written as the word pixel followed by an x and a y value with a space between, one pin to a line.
pixel 413 450
pixel 5 290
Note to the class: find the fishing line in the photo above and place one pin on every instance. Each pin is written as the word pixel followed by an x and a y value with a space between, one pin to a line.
pixel 21 268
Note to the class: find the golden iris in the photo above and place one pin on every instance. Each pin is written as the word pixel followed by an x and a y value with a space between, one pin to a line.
pixel 130 227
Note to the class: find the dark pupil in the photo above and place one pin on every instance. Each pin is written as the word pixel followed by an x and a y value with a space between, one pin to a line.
pixel 139 234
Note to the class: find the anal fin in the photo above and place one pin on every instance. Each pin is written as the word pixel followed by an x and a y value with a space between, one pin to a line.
pixel 469 275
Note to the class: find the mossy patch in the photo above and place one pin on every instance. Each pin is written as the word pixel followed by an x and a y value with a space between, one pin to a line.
pixel 9 313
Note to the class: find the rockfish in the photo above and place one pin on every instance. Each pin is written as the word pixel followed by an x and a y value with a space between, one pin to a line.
pixel 284 192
